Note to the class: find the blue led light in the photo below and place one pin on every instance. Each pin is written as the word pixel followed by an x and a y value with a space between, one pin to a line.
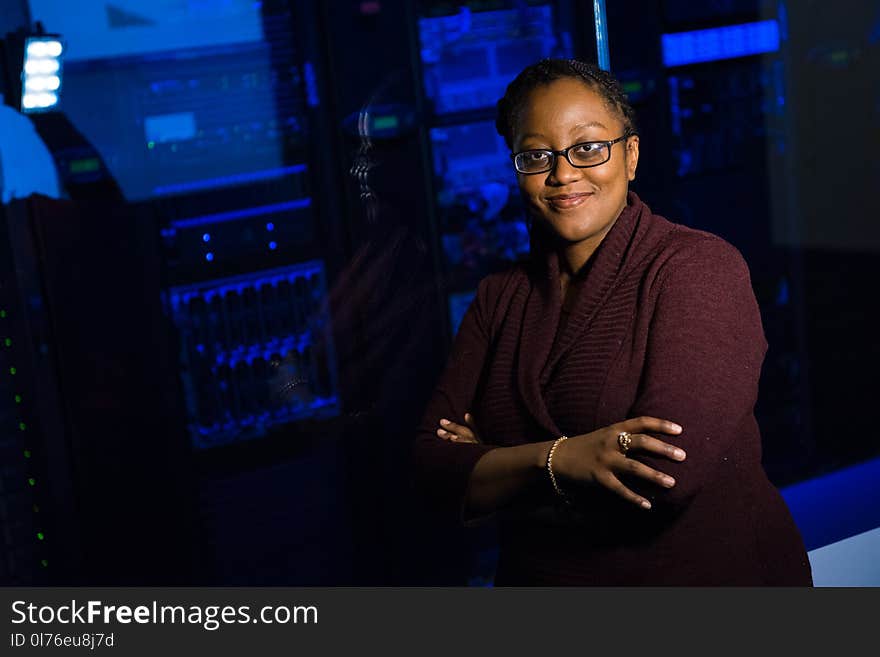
pixel 311 85
pixel 209 257
pixel 270 226
pixel 241 214
pixel 209 289
pixel 599 18
pixel 237 179
pixel 273 245
pixel 782 294
pixel 720 43
pixel 206 237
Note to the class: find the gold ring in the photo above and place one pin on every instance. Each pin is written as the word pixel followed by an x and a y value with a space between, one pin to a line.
pixel 624 439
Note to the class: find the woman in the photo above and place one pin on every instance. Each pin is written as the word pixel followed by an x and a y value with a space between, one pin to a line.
pixel 614 375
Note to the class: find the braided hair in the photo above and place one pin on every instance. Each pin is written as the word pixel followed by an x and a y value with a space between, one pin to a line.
pixel 511 105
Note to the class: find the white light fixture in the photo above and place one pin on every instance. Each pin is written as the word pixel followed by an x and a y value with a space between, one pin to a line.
pixel 33 66
pixel 38 101
pixel 42 83
pixel 41 73
pixel 40 48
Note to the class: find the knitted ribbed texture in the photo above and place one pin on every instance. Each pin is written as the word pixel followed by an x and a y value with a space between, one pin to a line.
pixel 666 324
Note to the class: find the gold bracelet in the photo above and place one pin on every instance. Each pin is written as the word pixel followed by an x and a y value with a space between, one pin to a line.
pixel 550 470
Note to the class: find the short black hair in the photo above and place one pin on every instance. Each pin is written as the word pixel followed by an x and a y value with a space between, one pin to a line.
pixel 550 69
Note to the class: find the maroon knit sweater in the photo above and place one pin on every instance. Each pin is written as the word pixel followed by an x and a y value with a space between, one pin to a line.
pixel 666 324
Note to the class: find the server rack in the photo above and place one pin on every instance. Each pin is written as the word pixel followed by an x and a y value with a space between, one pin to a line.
pixel 28 532
pixel 249 254
pixel 97 475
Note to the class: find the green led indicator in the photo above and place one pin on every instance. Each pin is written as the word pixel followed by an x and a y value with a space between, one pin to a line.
pixel 22 426
pixel 8 342
pixel 2 314
pixel 385 122
pixel 44 563
pixel 40 535
pixel 27 453
pixel 632 87
pixel 12 371
pixel 151 144
pixel 32 481
pixel 18 399
pixel 86 165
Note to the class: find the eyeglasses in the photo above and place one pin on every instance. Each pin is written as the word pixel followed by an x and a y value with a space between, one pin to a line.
pixel 583 155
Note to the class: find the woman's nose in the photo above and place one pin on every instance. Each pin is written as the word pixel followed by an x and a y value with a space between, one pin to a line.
pixel 563 171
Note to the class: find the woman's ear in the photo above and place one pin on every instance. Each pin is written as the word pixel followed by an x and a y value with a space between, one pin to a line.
pixel 632 157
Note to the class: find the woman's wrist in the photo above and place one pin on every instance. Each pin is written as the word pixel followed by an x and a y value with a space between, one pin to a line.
pixel 542 453
pixel 550 468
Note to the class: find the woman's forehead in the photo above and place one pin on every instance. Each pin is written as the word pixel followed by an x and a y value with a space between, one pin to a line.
pixel 583 125
pixel 564 107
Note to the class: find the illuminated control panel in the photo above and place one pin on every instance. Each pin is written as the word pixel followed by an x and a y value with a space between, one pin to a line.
pixel 255 351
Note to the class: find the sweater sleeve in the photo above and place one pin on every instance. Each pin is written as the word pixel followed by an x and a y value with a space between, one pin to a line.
pixel 703 360
pixel 441 470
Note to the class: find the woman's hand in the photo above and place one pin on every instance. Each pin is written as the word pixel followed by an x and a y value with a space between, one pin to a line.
pixel 597 457
pixel 460 433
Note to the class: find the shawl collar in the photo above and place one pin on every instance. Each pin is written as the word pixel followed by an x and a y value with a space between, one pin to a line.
pixel 542 303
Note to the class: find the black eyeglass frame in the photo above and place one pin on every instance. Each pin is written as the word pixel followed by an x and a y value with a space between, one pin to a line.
pixel 607 143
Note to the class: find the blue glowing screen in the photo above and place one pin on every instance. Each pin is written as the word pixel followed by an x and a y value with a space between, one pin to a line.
pixel 720 43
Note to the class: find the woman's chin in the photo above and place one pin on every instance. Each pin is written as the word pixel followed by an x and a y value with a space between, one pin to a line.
pixel 572 231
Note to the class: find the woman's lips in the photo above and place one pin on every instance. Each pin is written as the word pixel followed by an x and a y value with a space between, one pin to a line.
pixel 568 201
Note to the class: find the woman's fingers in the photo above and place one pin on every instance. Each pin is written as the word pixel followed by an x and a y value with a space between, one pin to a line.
pixel 472 423
pixel 455 432
pixel 647 423
pixel 612 483
pixel 633 467
pixel 650 444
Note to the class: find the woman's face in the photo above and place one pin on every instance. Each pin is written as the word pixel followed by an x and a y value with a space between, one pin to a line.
pixel 557 115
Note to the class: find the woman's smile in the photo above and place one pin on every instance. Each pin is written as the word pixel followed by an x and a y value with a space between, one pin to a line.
pixel 566 201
